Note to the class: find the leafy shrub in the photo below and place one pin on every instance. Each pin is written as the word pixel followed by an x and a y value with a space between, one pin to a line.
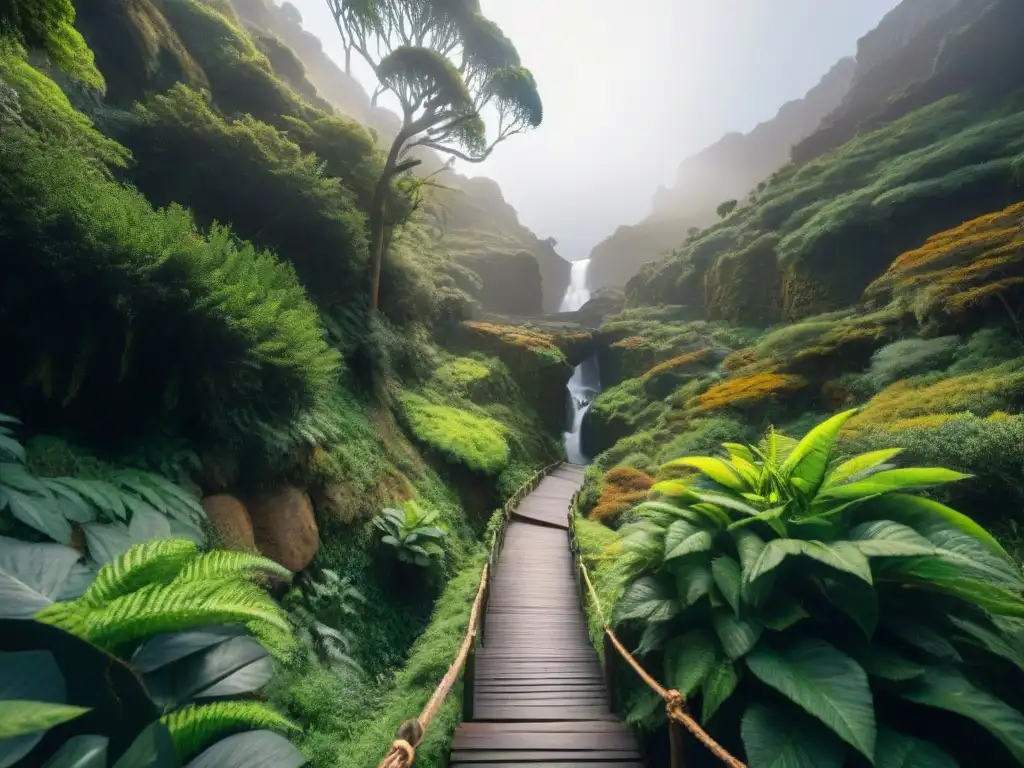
pixel 288 203
pixel 702 435
pixel 776 577
pixel 139 648
pixel 320 607
pixel 112 514
pixel 908 357
pixel 411 533
pixel 473 441
pixel 203 326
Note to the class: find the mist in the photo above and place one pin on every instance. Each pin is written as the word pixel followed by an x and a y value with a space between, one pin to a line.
pixel 629 95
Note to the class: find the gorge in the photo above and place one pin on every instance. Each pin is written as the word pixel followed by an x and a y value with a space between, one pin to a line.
pixel 245 518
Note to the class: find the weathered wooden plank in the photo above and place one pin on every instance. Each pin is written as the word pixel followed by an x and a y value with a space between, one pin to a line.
pixel 529 756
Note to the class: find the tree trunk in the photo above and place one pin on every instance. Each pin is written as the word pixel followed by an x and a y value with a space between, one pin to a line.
pixel 377 225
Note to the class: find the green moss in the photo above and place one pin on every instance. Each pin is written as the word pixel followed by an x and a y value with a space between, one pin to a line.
pixel 49 25
pixel 473 441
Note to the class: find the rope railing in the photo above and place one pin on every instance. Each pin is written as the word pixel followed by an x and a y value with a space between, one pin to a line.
pixel 675 701
pixel 410 733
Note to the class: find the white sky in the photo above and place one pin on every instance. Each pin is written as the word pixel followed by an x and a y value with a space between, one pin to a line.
pixel 632 88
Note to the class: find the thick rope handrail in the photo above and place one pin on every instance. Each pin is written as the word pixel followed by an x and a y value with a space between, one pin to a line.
pixel 410 734
pixel 674 700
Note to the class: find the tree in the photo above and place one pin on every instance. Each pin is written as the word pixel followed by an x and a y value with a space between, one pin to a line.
pixel 448 67
pixel 726 208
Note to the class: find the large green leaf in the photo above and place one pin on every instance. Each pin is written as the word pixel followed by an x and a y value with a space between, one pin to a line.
pixel 893 480
pixel 235 666
pixel 693 579
pixel 885 538
pixel 40 514
pixel 920 635
pixel 985 634
pixel 728 502
pixel 855 598
pixel 728 579
pixel 945 688
pixel 750 547
pixel 737 636
pixel 688 660
pixel 32 576
pixel 881 661
pixel 845 560
pixel 80 752
pixel 808 461
pixel 718 470
pixel 647 598
pixel 253 749
pixel 957 538
pixel 861 463
pixel 107 541
pixel 827 683
pixel 683 538
pixel 894 750
pixel 940 575
pixel 20 717
pixel 153 748
pixel 776 738
pixel 27 678
pixel 717 687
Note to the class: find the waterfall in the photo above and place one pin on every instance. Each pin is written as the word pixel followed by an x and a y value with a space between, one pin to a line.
pixel 577 294
pixel 585 383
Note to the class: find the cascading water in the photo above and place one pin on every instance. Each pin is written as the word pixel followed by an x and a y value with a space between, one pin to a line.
pixel 585 383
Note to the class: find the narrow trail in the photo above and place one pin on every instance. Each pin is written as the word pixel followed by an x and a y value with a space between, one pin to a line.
pixel 539 696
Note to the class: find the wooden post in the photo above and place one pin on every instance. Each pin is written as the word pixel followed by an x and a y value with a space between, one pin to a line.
pixel 609 671
pixel 483 606
pixel 676 732
pixel 469 683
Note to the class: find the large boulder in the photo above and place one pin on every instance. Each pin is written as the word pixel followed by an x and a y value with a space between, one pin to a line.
pixel 230 519
pixel 284 526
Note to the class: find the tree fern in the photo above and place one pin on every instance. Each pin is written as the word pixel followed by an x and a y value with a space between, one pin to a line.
pixel 198 725
pixel 156 561
pixel 221 564
pixel 161 608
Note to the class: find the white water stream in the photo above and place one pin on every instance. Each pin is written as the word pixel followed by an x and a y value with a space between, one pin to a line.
pixel 585 383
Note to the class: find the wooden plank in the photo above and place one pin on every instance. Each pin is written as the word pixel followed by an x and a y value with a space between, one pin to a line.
pixel 573 726
pixel 590 763
pixel 530 756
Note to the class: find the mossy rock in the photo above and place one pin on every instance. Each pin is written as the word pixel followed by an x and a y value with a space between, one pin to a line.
pixel 534 360
pixel 961 278
pixel 665 378
pixel 616 413
pixel 475 442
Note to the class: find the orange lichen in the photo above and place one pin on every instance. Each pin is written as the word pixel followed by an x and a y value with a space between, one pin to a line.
pixel 513 334
pixel 749 390
pixel 904 402
pixel 964 268
pixel 693 360
pixel 622 489
pixel 630 342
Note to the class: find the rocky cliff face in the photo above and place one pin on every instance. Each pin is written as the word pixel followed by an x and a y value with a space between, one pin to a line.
pixel 726 170
pixel 899 54
pixel 519 273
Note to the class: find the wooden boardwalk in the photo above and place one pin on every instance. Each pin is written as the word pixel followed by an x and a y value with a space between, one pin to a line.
pixel 539 698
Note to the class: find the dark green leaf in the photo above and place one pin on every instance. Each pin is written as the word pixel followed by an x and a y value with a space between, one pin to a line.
pixel 782 612
pixel 894 750
pixel 688 660
pixel 921 636
pixel 846 560
pixel 986 635
pixel 885 538
pixel 693 579
pixel 776 738
pixel 32 576
pixel 31 675
pixel 856 599
pixel 40 514
pixel 166 649
pixel 885 663
pixel 253 749
pixel 736 636
pixel 827 683
pixel 649 599
pixel 728 578
pixel 717 687
pixel 153 748
pixel 654 637
pixel 81 752
pixel 683 538
pixel 945 688
pixel 107 542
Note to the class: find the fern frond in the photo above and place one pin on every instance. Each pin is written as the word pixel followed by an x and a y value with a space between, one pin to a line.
pixel 70 616
pixel 156 561
pixel 220 564
pixel 178 606
pixel 196 726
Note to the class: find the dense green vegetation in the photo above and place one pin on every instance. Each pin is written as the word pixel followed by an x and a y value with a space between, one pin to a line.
pixel 190 356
